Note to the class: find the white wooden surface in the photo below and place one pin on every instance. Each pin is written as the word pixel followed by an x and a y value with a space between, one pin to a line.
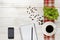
pixel 13 13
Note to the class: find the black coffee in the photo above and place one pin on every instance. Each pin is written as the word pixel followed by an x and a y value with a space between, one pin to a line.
pixel 49 28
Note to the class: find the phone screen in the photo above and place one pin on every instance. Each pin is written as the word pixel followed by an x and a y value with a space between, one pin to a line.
pixel 10 33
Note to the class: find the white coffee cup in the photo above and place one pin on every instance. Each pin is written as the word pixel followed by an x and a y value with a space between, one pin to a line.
pixel 49 28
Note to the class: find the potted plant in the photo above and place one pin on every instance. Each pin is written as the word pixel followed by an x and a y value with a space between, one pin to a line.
pixel 50 14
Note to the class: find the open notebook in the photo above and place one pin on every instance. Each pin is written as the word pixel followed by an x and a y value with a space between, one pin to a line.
pixel 27 32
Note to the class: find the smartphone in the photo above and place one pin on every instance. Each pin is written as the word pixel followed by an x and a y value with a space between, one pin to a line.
pixel 11 33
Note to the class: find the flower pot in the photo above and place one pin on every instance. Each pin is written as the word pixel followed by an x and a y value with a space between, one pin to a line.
pixel 46 20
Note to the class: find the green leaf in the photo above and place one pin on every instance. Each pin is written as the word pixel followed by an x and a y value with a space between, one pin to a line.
pixel 51 13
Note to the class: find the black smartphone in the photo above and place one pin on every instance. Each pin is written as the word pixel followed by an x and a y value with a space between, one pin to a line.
pixel 10 32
